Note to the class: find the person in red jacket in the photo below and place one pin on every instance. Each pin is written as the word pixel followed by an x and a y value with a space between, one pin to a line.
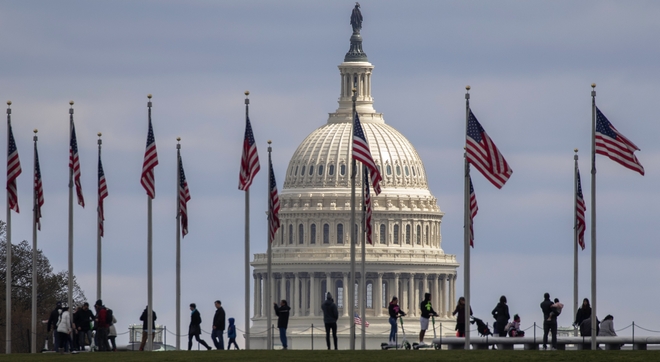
pixel 102 327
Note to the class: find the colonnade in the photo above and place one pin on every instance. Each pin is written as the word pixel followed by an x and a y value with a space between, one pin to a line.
pixel 305 292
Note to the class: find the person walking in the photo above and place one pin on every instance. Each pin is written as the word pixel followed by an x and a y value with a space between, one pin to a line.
pixel 427 312
pixel 102 326
pixel 549 322
pixel 112 333
pixel 460 319
pixel 231 334
pixel 330 316
pixel 53 319
pixel 145 329
pixel 394 312
pixel 219 326
pixel 64 329
pixel 195 329
pixel 83 319
pixel 282 313
pixel 501 315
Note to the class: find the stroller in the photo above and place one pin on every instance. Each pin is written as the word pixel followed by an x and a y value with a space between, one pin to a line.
pixel 482 328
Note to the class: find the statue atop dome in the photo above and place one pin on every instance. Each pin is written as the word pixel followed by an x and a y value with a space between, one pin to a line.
pixel 356 18
pixel 355 53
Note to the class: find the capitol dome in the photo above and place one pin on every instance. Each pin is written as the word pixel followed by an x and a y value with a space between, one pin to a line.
pixel 311 249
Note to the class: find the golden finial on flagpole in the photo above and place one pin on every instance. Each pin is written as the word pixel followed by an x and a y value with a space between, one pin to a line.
pixel 467 88
pixel 99 134
pixel 593 85
pixel 71 102
pixel 9 103
pixel 149 95
pixel 35 131
pixel 247 93
pixel 576 150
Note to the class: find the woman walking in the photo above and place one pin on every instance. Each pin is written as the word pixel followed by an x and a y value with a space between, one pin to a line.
pixel 460 319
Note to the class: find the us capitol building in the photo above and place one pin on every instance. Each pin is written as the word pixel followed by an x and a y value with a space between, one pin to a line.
pixel 311 250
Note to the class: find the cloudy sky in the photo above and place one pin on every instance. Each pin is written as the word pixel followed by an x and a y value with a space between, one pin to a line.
pixel 530 65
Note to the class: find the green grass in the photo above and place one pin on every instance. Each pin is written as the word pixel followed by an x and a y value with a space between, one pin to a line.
pixel 341 356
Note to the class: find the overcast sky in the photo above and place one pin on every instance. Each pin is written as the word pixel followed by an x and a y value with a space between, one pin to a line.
pixel 530 66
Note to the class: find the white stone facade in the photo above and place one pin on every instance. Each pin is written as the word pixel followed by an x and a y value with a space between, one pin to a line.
pixel 311 250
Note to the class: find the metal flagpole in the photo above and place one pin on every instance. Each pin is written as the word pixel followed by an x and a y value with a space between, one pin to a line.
pixel 99 248
pixel 178 243
pixel 466 230
pixel 575 242
pixel 363 272
pixel 593 218
pixel 35 205
pixel 70 287
pixel 351 288
pixel 269 270
pixel 247 245
pixel 150 317
pixel 8 246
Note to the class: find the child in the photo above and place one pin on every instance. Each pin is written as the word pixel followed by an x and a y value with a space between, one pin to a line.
pixel 231 334
pixel 514 327
pixel 556 309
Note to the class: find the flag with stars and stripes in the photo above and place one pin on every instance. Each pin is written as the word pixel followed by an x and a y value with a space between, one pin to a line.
pixel 580 210
pixel 484 155
pixel 74 165
pixel 38 188
pixel 362 153
pixel 473 212
pixel 150 161
pixel 249 159
pixel 368 207
pixel 273 204
pixel 13 170
pixel 358 320
pixel 184 197
pixel 611 143
pixel 102 194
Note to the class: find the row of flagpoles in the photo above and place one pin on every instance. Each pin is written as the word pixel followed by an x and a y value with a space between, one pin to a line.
pixel 148 183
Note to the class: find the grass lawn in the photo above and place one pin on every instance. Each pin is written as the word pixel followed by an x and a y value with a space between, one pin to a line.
pixel 341 356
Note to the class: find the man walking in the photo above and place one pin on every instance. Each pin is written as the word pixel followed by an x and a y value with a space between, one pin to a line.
pixel 52 324
pixel 330 316
pixel 145 329
pixel 218 326
pixel 282 312
pixel 195 329
pixel 549 322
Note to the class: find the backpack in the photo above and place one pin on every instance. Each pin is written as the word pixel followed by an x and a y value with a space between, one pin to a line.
pixel 108 316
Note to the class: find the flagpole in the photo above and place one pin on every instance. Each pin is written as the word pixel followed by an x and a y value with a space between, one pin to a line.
pixel 8 246
pixel 466 229
pixel 35 205
pixel 269 309
pixel 351 289
pixel 575 242
pixel 593 218
pixel 150 317
pixel 99 248
pixel 178 243
pixel 247 246
pixel 363 272
pixel 70 286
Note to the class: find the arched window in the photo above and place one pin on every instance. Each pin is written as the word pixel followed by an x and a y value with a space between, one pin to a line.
pixel 388 169
pixel 383 234
pixel 312 234
pixel 398 170
pixel 370 295
pixel 296 173
pixel 408 234
pixel 405 169
pixel 320 170
pixel 395 235
pixel 340 294
pixel 331 170
pixel 426 237
pixel 301 234
pixel 326 234
pixel 413 170
pixel 302 171
pixel 419 235
pixel 340 233
pixel 379 170
pixel 311 170
pixel 342 170
pixel 290 234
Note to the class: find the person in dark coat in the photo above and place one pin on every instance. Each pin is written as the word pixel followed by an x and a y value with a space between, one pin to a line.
pixel 460 318
pixel 82 319
pixel 330 316
pixel 282 313
pixel 102 326
pixel 501 315
pixel 548 325
pixel 583 313
pixel 145 323
pixel 195 329
pixel 218 326
pixel 52 324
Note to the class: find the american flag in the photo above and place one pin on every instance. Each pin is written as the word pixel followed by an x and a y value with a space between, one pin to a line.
pixel 367 206
pixel 184 197
pixel 473 211
pixel 358 321
pixel 249 159
pixel 362 153
pixel 103 193
pixel 611 143
pixel 150 161
pixel 13 170
pixel 484 155
pixel 74 165
pixel 273 204
pixel 580 210
pixel 38 188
